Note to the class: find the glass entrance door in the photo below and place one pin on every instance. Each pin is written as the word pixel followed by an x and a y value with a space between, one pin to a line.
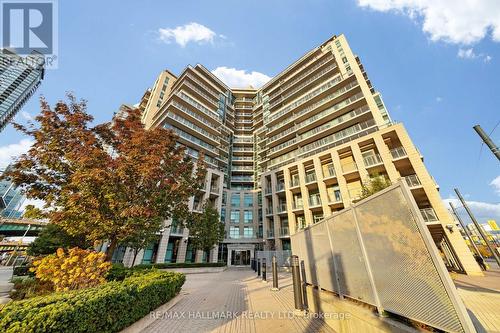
pixel 240 257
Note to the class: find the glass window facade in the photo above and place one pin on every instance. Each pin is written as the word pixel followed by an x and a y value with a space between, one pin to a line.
pixel 234 232
pixel 235 200
pixel 247 216
pixel 248 200
pixel 248 232
pixel 235 216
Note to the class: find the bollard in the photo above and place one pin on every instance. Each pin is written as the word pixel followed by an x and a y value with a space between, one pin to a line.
pixel 258 267
pixel 275 275
pixel 304 284
pixel 264 271
pixel 297 290
pixel 251 265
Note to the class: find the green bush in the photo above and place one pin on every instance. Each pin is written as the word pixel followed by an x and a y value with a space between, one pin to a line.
pixel 180 265
pixel 23 270
pixel 109 307
pixel 118 272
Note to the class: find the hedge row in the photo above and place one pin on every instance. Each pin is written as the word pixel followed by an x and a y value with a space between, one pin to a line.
pixel 107 308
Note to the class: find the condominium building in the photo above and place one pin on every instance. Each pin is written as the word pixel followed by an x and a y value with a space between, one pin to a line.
pixel 19 78
pixel 290 153
pixel 11 199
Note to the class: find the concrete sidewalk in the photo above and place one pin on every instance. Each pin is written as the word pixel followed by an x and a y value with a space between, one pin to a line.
pixel 481 296
pixel 234 301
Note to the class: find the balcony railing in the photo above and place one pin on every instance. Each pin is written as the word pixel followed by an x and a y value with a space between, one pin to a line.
pixel 329 171
pixel 197 207
pixel 280 187
pixel 269 211
pixel 398 152
pixel 310 177
pixel 297 205
pixel 214 189
pixel 349 167
pixel 315 200
pixel 334 198
pixel 412 181
pixel 294 182
pixel 372 160
pixel 270 233
pixel 284 231
pixel 281 208
pixel 429 215
pixel 176 230
pixel 268 190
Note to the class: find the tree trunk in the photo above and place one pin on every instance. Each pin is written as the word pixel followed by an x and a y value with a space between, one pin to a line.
pixel 111 249
pixel 136 252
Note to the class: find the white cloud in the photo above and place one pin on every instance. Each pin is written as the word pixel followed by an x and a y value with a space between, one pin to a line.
pixel 240 78
pixel 469 53
pixel 439 99
pixel 184 34
pixel 26 115
pixel 459 22
pixel 482 211
pixel 496 184
pixel 9 152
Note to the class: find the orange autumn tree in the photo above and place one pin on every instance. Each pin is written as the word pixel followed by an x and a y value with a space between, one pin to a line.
pixel 106 182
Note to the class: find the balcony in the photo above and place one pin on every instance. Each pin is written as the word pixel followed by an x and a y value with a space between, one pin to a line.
pixel 310 177
pixel 334 198
pixel 294 182
pixel 429 215
pixel 281 208
pixel 284 232
pixel 315 200
pixel 269 211
pixel 329 171
pixel 268 190
pixel 349 167
pixel 412 181
pixel 398 152
pixel 214 188
pixel 372 160
pixel 270 233
pixel 280 187
pixel 197 207
pixel 297 205
pixel 176 231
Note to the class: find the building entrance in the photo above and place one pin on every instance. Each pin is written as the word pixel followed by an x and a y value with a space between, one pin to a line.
pixel 240 257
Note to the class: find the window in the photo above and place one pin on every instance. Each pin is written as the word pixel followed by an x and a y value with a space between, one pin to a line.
pixel 223 214
pixel 248 232
pixel 317 218
pixel 247 216
pixel 235 199
pixel 234 232
pixel 235 216
pixel 248 200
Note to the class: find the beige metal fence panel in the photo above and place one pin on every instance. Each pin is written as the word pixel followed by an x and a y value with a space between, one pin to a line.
pixel 348 259
pixel 379 251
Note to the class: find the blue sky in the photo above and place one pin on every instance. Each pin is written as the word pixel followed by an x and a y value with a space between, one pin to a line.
pixel 436 67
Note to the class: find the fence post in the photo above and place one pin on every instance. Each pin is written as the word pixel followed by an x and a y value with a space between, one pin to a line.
pixel 297 292
pixel 275 275
pixel 304 285
pixel 264 271
pixel 258 267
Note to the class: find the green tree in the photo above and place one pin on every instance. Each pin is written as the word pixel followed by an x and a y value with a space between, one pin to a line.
pixel 53 237
pixel 32 212
pixel 373 185
pixel 205 229
pixel 146 235
pixel 108 181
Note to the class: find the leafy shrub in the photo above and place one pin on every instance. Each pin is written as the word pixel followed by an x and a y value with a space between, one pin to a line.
pixel 73 270
pixel 29 287
pixel 107 308
pixel 23 270
pixel 118 272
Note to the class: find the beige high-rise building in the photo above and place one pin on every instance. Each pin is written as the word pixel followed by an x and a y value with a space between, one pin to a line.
pixel 290 153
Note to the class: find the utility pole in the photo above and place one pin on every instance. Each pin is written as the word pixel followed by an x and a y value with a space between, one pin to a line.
pixel 479 229
pixel 465 230
pixel 487 140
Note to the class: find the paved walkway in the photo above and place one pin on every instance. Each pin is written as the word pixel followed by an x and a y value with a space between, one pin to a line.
pixel 481 296
pixel 234 301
